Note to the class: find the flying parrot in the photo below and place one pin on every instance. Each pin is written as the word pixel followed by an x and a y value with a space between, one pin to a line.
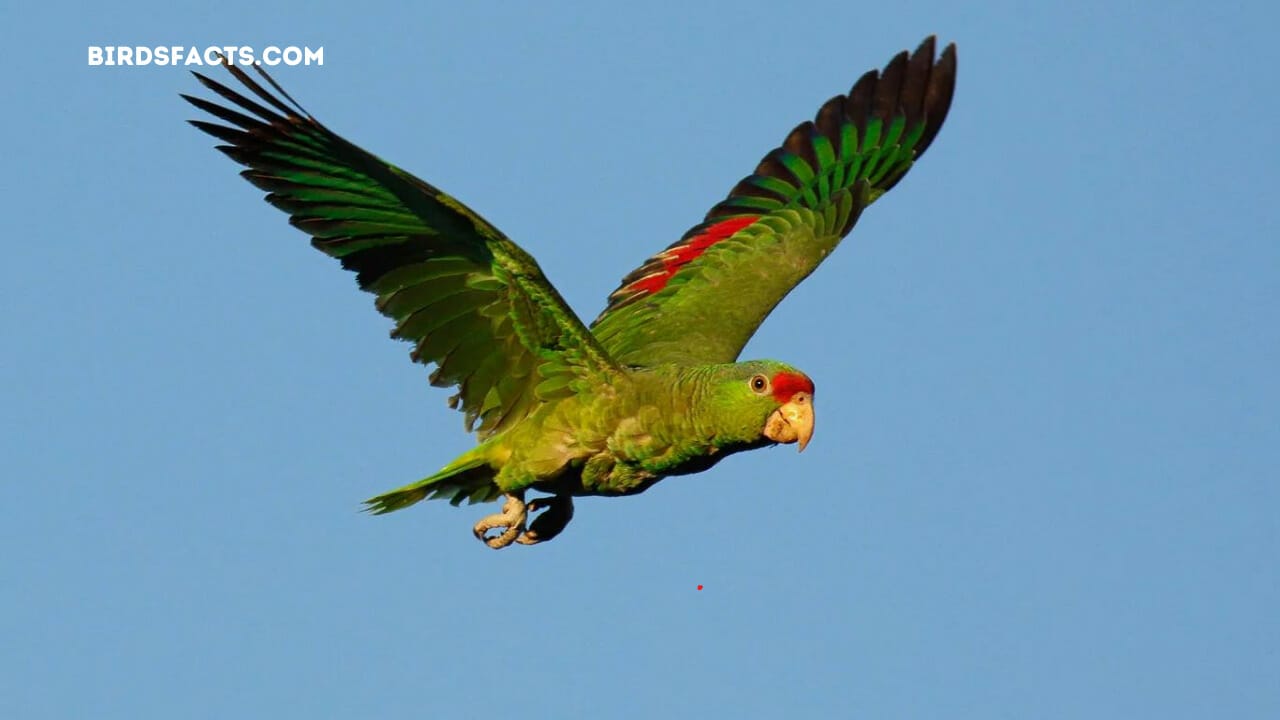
pixel 653 387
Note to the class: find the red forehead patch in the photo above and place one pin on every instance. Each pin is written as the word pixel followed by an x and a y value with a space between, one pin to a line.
pixel 786 384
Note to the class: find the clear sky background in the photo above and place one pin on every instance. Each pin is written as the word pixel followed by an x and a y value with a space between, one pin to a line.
pixel 1045 477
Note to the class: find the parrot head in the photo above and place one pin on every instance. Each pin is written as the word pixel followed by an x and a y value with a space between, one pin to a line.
pixel 775 399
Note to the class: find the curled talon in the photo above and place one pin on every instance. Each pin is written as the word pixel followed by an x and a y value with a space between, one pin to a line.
pixel 559 511
pixel 510 520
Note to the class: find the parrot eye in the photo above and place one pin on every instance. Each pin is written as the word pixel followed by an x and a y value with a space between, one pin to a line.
pixel 759 383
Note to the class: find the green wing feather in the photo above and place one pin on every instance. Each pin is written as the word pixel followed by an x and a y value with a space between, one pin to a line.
pixel 701 299
pixel 471 301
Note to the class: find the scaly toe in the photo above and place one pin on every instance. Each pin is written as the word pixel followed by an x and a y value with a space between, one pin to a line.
pixel 510 521
pixel 497 542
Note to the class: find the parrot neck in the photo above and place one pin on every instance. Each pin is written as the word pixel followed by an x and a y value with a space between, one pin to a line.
pixel 720 426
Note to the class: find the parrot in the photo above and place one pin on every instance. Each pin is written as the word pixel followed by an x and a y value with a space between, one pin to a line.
pixel 653 387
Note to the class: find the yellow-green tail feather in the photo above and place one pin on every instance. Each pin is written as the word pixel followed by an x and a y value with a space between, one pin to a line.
pixel 467 478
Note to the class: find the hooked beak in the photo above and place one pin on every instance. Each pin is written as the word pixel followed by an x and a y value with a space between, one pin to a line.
pixel 793 422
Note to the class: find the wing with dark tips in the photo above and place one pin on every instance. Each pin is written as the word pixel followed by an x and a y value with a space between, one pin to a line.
pixel 701 299
pixel 472 302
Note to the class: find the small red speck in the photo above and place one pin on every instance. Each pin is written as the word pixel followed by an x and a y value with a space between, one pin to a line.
pixel 699 587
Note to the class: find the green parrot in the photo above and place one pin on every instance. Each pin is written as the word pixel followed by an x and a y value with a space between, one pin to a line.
pixel 653 387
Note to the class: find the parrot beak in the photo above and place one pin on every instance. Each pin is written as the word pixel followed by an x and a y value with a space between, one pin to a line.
pixel 793 422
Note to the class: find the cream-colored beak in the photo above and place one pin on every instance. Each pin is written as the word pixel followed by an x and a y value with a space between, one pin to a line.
pixel 793 422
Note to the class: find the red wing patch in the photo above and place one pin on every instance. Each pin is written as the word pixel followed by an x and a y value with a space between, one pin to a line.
pixel 683 253
pixel 786 384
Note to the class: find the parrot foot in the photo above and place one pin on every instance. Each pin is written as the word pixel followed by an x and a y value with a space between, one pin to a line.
pixel 510 521
pixel 559 511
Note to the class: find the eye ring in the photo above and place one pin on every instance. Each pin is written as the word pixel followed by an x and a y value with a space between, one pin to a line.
pixel 759 384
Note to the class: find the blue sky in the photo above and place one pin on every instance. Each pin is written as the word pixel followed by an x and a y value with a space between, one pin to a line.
pixel 1044 480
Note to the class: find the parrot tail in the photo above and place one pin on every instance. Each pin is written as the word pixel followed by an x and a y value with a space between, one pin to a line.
pixel 467 478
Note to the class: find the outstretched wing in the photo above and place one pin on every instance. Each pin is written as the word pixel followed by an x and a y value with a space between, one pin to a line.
pixel 701 299
pixel 470 300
